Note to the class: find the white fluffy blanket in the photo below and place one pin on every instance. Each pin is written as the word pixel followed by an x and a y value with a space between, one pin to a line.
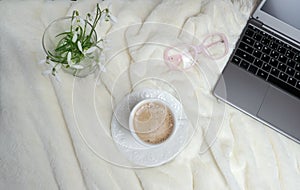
pixel 57 135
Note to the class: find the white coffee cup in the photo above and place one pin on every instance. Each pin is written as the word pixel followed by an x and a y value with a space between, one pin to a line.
pixel 152 122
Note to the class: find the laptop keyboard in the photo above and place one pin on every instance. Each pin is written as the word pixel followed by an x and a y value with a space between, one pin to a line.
pixel 269 58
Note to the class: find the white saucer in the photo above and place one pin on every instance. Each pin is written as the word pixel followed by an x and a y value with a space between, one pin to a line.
pixel 136 152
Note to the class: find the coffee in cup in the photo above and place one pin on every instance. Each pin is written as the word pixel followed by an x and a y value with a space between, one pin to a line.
pixel 151 121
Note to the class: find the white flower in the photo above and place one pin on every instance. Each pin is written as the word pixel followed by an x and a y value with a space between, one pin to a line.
pixel 71 63
pixel 85 52
pixel 104 44
pixel 53 68
pixel 75 36
pixel 75 66
pixel 108 16
pixel 112 18
pixel 69 56
pixel 53 71
pixel 90 50
pixel 79 46
pixel 78 21
pixel 102 18
pixel 90 17
pixel 57 67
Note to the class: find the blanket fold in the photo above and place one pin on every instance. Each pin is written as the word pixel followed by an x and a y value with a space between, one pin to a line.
pixel 57 135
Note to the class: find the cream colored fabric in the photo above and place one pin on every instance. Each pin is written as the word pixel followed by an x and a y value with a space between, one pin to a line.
pixel 42 122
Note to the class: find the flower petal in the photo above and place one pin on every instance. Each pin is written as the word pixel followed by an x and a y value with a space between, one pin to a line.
pixel 79 46
pixel 57 67
pixel 78 21
pixel 82 22
pixel 91 49
pixel 69 56
pixel 101 45
pixel 75 36
pixel 51 63
pixel 113 19
pixel 76 66
pixel 102 18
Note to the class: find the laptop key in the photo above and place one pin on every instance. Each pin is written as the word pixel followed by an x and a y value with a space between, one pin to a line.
pixel 289 54
pixel 279 42
pixel 283 85
pixel 252 69
pixel 265 58
pixel 248 40
pixel 297 75
pixel 274 54
pixel 258 45
pixel 249 32
pixel 273 62
pixel 246 48
pixel 262 74
pixel 292 81
pixel 257 37
pixel 266 50
pixel 271 38
pixel 266 67
pixel 281 49
pixel 297 67
pixel 291 63
pixel 275 72
pixel 273 45
pixel 244 64
pixel 258 63
pixel 244 55
pixel 287 46
pixel 263 33
pixel 290 71
pixel 297 58
pixel 282 58
pixel 265 41
pixel 257 54
pixel 298 85
pixel 236 60
pixel 283 76
pixel 282 67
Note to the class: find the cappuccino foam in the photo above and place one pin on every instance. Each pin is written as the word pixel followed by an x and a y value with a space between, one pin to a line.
pixel 153 122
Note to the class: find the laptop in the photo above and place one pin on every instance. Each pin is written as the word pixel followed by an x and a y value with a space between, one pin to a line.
pixel 262 76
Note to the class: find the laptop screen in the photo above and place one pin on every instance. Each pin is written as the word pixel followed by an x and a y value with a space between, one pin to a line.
pixel 284 10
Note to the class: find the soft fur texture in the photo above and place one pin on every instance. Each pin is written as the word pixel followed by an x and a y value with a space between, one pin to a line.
pixel 42 122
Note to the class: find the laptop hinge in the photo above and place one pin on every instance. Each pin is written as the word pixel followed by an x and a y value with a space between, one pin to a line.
pixel 260 24
pixel 256 22
pixel 291 40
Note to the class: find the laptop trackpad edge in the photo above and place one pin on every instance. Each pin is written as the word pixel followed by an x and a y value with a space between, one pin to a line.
pixel 241 89
pixel 282 111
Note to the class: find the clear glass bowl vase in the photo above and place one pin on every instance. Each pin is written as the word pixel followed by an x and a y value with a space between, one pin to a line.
pixel 51 38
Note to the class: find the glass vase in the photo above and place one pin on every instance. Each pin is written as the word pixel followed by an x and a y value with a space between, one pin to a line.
pixel 51 38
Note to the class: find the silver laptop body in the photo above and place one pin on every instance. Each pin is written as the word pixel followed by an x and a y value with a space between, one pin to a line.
pixel 267 86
